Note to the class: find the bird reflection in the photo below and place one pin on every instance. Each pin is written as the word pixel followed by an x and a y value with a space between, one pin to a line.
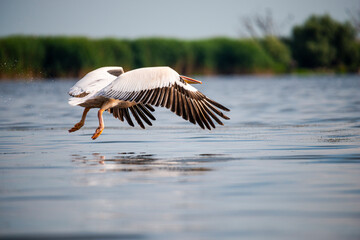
pixel 145 162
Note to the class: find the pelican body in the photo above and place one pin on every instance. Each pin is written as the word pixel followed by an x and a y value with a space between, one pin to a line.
pixel 136 92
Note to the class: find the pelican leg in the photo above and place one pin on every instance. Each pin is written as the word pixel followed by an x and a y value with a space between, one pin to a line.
pixel 107 105
pixel 101 127
pixel 81 123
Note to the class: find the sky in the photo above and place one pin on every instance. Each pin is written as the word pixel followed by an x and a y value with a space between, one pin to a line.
pixel 187 19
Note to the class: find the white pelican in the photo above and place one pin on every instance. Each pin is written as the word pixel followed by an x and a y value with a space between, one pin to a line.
pixel 109 88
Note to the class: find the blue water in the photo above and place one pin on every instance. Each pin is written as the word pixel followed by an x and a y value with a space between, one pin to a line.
pixel 286 166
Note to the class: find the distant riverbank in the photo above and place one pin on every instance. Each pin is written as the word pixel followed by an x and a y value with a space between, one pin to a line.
pixel 29 57
pixel 51 57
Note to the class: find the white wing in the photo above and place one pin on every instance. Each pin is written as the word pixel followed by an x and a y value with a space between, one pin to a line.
pixel 95 81
pixel 142 79
pixel 162 86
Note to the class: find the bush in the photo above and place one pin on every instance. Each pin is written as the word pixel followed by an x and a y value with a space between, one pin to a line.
pixel 324 43
pixel 278 51
pixel 66 57
pixel 21 57
pixel 161 52
pixel 113 52
pixel 233 56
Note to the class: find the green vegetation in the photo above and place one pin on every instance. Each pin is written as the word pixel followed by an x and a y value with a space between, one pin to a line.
pixel 324 43
pixel 23 56
pixel 320 44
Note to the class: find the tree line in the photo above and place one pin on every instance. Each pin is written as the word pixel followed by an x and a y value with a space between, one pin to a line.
pixel 320 44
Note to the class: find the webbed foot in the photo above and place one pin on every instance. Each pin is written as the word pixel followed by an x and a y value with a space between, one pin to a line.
pixel 76 127
pixel 97 133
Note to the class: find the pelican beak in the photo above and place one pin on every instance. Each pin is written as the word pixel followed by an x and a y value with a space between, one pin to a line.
pixel 190 80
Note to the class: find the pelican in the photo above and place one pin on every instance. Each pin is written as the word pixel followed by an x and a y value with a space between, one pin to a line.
pixel 137 91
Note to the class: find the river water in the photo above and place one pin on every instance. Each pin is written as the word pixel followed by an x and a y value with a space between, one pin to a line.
pixel 286 166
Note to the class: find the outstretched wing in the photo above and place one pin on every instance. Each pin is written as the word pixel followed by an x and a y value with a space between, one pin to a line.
pixel 139 111
pixel 162 86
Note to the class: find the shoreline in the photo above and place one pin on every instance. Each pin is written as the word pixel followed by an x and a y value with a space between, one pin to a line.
pixel 255 75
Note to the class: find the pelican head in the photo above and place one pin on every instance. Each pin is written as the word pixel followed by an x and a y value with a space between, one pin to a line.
pixel 95 80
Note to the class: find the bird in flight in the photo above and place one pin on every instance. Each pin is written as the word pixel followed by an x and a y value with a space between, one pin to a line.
pixel 137 91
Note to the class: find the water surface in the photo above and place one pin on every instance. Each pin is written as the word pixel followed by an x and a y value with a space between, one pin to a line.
pixel 286 166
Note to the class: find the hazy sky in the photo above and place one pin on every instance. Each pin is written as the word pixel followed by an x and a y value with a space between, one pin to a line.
pixel 141 18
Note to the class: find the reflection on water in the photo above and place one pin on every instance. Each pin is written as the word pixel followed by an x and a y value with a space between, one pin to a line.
pixel 286 166
pixel 131 161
